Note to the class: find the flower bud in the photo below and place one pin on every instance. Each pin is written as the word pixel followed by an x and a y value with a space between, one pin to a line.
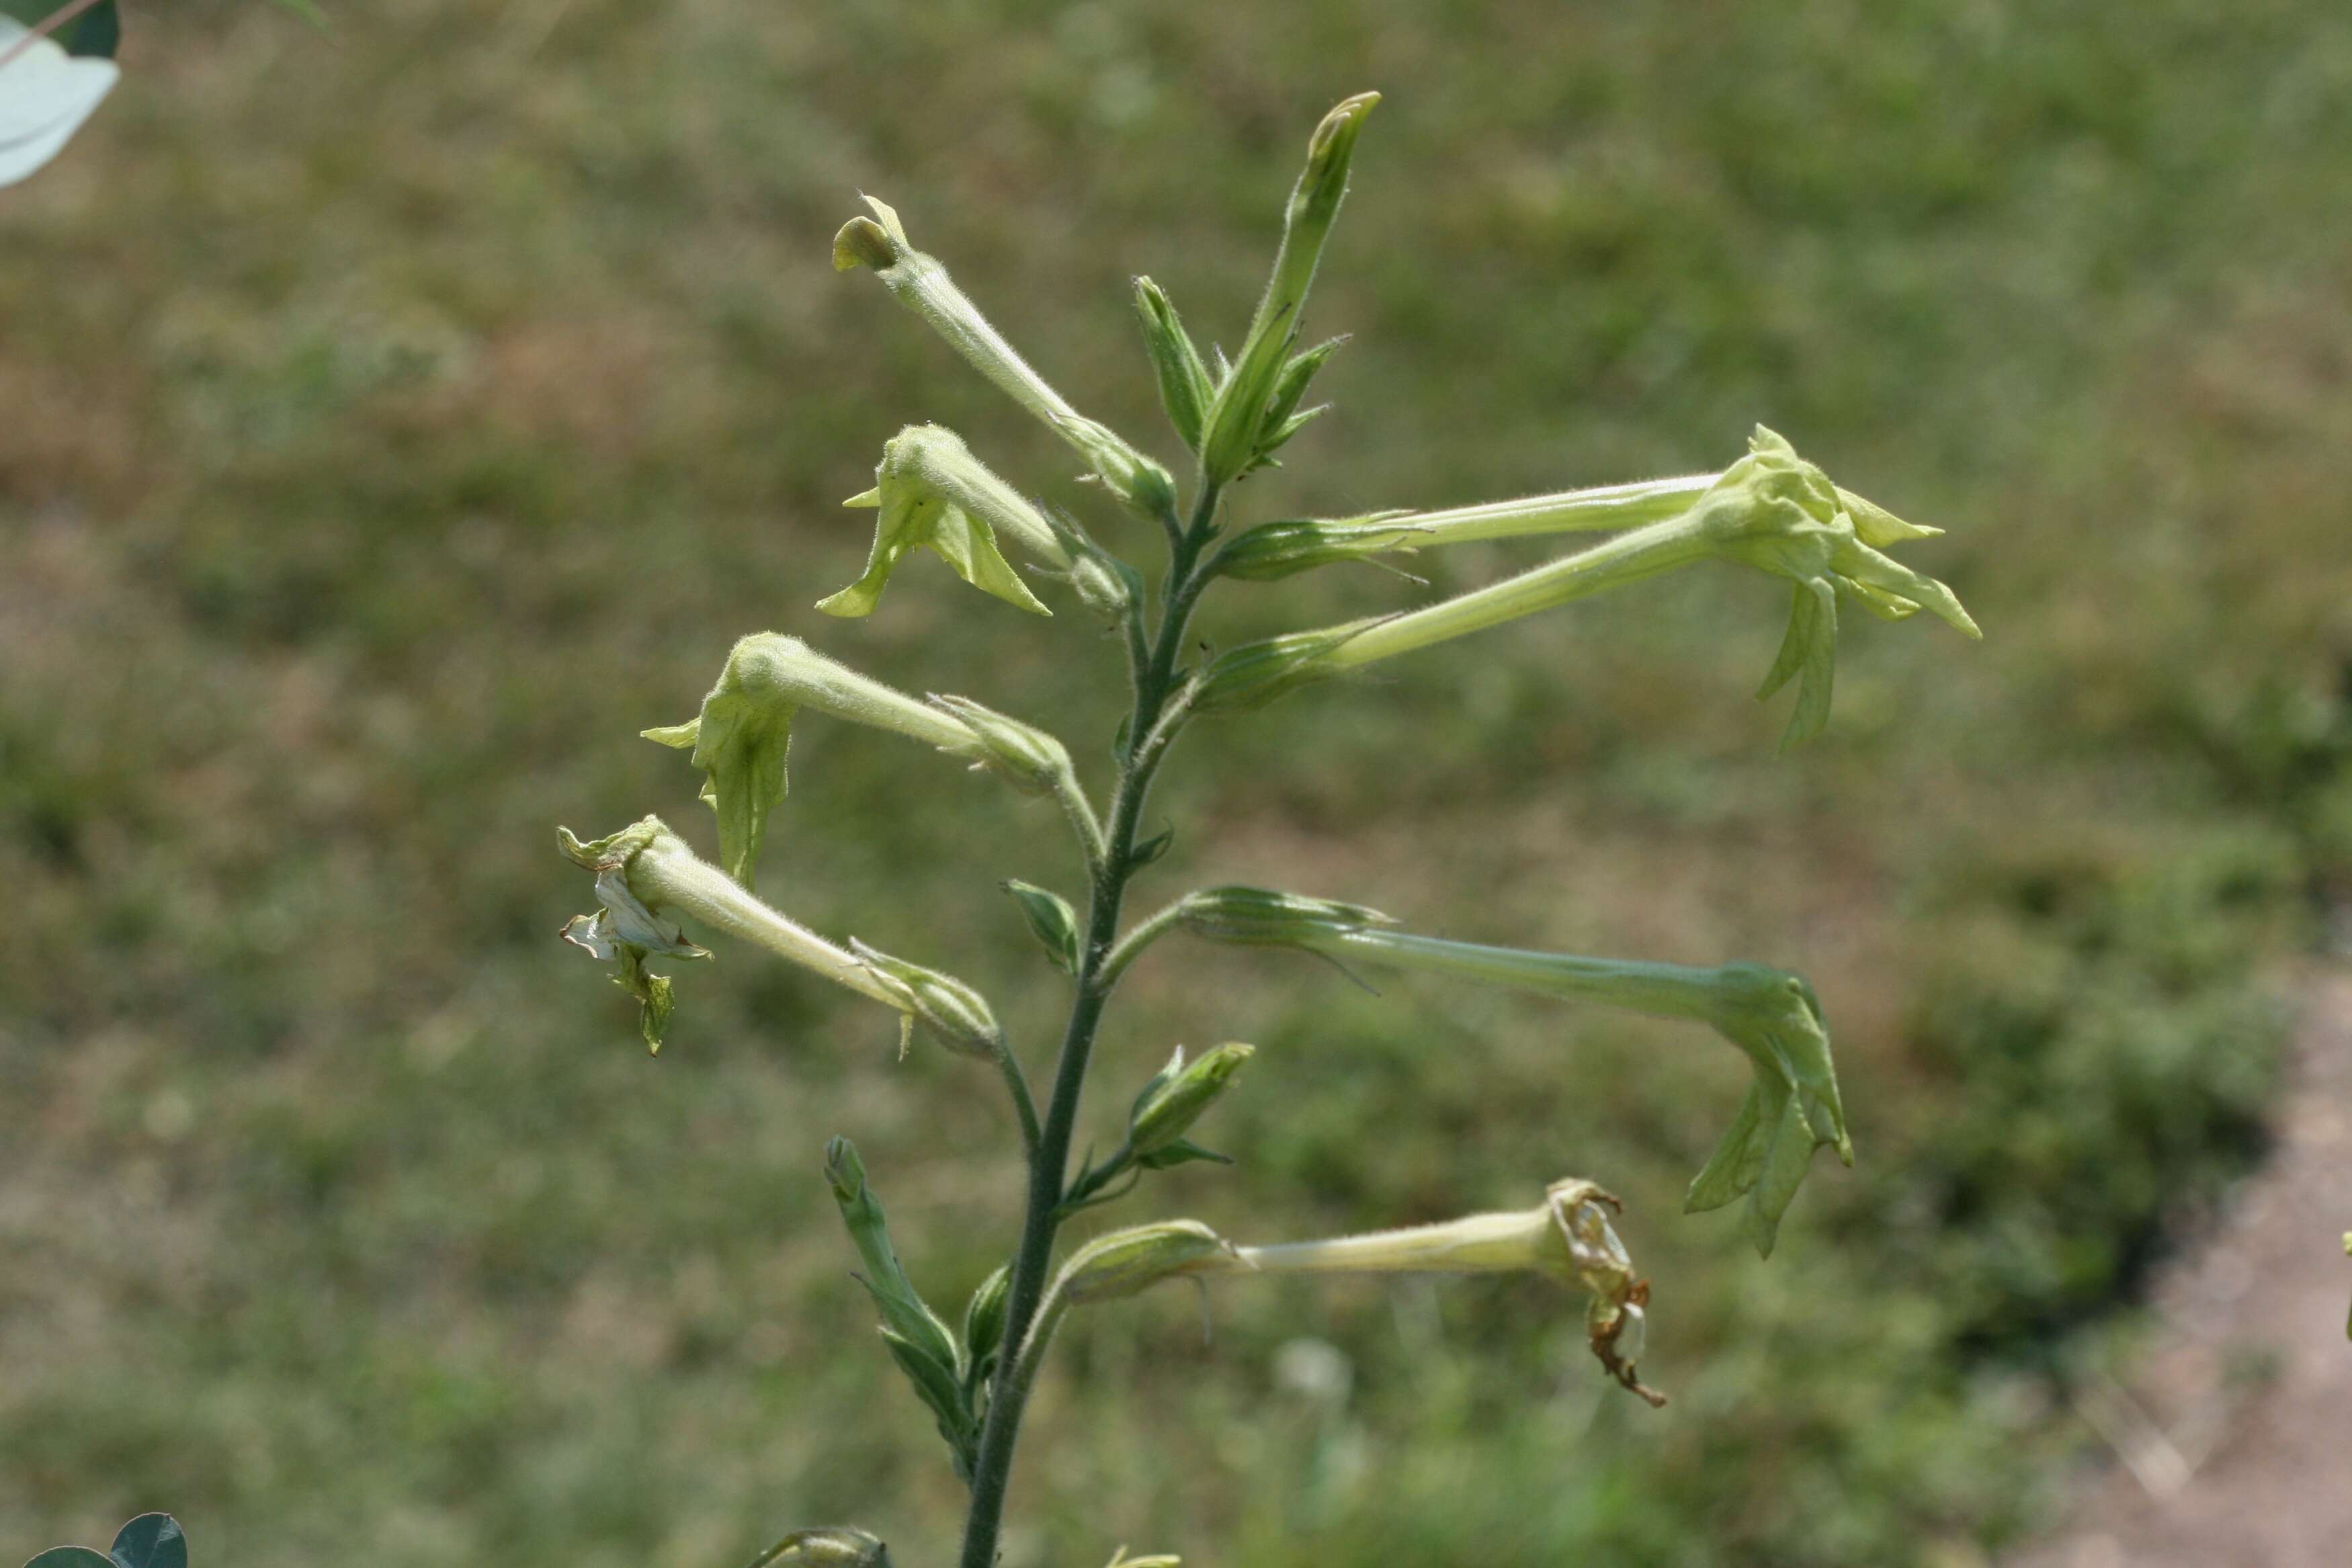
pixel 1185 389
pixel 1257 916
pixel 956 1014
pixel 741 738
pixel 1232 436
pixel 902 1307
pixel 1127 1262
pixel 1178 1097
pixel 984 1319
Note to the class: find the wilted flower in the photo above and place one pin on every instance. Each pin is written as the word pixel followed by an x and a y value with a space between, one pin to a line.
pixel 646 872
pixel 923 285
pixel 1566 1238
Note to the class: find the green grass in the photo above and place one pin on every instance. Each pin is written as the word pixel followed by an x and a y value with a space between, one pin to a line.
pixel 399 419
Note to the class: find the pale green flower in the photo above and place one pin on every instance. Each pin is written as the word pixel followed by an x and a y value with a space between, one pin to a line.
pixel 743 733
pixel 1792 1107
pixel 934 495
pixel 923 285
pixel 1771 510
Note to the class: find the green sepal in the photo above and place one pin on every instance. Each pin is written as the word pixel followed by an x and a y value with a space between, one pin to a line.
pixel 1151 849
pixel 904 1312
pixel 1051 919
pixel 984 1327
pixel 1182 1152
pixel 940 1388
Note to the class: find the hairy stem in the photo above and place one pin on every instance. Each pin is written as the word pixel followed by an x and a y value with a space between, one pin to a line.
pixel 1049 1160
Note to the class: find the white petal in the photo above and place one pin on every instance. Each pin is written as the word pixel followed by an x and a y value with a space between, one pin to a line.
pixel 45 95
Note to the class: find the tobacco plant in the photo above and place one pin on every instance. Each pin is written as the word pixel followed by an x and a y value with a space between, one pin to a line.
pixel 1770 511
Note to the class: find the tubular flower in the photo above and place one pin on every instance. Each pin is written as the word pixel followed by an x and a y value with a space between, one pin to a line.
pixel 934 494
pixel 923 285
pixel 740 738
pixel 1566 1238
pixel 1771 510
pixel 645 874
pixel 1773 1016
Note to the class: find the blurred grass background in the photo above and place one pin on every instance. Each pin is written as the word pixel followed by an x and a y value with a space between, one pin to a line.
pixel 399 418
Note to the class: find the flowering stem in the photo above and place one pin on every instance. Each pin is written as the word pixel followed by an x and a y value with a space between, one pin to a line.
pixel 1049 1159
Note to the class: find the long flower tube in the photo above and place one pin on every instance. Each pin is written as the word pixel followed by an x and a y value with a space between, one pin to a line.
pixel 1567 1237
pixel 921 284
pixel 1278 549
pixel 646 875
pixel 1793 1105
pixel 1771 510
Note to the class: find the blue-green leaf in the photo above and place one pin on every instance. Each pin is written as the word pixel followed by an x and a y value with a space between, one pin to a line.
pixel 150 1541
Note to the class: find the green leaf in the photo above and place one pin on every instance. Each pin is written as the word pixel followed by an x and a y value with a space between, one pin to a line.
pixel 1051 919
pixel 150 1541
pixel 72 1557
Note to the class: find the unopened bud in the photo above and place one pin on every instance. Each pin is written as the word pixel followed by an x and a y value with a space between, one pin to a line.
pixel 1178 1097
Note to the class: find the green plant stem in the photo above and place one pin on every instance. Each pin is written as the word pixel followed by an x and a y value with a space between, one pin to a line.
pixel 1049 1161
pixel 1024 1104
